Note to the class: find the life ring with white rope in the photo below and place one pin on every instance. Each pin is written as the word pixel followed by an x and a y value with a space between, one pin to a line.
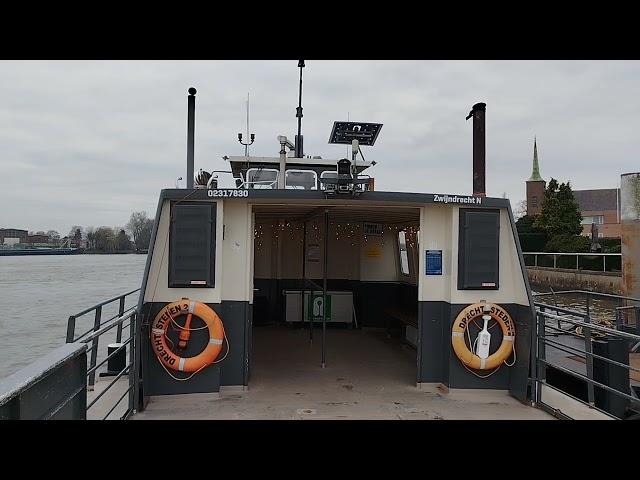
pixel 460 326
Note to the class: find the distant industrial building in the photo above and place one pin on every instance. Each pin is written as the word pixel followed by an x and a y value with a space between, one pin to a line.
pixel 10 236
pixel 600 206
pixel 37 238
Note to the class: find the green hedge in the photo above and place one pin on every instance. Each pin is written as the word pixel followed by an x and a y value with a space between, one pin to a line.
pixel 532 242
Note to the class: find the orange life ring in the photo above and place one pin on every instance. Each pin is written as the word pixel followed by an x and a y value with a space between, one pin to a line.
pixel 466 356
pixel 159 331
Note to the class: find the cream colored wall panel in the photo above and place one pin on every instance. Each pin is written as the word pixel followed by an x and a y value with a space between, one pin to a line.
pixel 263 250
pixel 436 234
pixel 511 281
pixel 379 257
pixel 157 289
pixel 236 251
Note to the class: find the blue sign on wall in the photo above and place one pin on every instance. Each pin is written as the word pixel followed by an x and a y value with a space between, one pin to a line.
pixel 434 262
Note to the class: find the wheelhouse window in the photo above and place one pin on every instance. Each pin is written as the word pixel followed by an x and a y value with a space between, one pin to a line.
pixel 404 256
pixel 301 180
pixel 327 174
pixel 262 178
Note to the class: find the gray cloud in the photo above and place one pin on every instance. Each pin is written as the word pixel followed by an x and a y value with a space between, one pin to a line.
pixel 87 142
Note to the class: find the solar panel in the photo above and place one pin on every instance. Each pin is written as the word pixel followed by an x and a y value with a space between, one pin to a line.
pixel 345 132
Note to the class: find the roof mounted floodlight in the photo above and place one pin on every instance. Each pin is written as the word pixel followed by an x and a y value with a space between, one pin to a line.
pixel 346 132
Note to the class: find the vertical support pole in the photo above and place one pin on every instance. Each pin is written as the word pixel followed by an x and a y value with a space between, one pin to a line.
pixel 541 366
pixel 554 261
pixel 283 164
pixel 324 288
pixel 137 364
pixel 304 279
pixel 298 147
pixel 535 260
pixel 191 126
pixel 132 364
pixel 604 263
pixel 588 348
pixel 119 328
pixel 71 329
pixel 577 264
pixel 94 347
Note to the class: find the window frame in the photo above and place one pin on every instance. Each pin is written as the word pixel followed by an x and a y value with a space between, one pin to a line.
pixel 270 186
pixel 406 252
pixel 299 170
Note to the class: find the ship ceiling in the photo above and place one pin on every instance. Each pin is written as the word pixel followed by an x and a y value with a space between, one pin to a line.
pixel 355 214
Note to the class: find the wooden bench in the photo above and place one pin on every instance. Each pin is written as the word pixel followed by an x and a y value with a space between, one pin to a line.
pixel 403 316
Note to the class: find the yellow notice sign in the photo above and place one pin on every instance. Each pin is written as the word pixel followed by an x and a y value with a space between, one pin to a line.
pixel 373 251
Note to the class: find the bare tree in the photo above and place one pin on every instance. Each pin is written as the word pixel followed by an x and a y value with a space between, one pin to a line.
pixel 91 238
pixel 74 232
pixel 54 236
pixel 140 227
pixel 521 209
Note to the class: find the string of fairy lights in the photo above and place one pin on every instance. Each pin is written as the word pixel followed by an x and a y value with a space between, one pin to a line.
pixel 351 232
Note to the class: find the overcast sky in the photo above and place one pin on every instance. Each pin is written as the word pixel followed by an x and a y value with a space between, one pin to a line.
pixel 88 142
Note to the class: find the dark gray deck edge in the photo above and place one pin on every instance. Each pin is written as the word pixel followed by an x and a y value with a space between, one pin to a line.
pixel 21 380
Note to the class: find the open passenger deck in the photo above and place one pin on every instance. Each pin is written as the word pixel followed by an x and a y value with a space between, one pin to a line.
pixel 370 376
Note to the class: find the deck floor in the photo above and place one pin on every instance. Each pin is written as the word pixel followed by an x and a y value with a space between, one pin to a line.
pixel 367 376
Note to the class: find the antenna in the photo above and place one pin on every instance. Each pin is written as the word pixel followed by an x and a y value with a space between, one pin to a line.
pixel 252 136
pixel 299 150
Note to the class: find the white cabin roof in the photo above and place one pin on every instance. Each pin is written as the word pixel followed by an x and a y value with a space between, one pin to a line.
pixel 362 164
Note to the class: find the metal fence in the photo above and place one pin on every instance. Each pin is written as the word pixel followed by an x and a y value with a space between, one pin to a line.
pixel 123 321
pixel 551 259
pixel 567 338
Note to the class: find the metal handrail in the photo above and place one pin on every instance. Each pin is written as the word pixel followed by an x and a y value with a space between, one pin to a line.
pixel 593 326
pixel 97 325
pixel 582 254
pixel 576 254
pixel 102 304
pixel 577 319
pixel 92 337
pixel 590 293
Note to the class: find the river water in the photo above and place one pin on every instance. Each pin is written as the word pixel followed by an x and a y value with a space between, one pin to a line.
pixel 38 293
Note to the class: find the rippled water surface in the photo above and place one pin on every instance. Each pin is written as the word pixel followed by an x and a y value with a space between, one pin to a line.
pixel 38 293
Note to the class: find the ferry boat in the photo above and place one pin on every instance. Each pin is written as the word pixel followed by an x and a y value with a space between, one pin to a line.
pixel 305 265
pixel 307 292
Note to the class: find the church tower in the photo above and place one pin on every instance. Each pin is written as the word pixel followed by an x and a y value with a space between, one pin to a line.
pixel 535 186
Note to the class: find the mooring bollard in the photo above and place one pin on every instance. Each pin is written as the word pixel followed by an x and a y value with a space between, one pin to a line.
pixel 117 362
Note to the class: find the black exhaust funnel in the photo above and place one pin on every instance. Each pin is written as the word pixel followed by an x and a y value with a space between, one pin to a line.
pixel 191 127
pixel 478 112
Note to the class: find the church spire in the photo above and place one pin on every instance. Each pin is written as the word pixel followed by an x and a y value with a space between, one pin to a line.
pixel 535 174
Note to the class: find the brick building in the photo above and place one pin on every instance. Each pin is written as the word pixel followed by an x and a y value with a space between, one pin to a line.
pixel 37 238
pixel 602 207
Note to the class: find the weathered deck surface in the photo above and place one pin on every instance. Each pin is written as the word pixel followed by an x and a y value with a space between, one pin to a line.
pixel 367 376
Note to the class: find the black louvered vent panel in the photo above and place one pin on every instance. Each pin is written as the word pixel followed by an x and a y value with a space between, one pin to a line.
pixel 192 246
pixel 479 249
